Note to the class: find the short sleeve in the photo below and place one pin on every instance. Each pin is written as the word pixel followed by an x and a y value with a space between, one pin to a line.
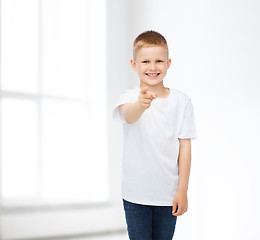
pixel 126 96
pixel 188 129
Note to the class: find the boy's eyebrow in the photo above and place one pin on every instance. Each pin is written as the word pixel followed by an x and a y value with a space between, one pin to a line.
pixel 157 59
pixel 148 59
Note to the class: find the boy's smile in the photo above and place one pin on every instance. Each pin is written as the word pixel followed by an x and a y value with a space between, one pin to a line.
pixel 151 64
pixel 153 75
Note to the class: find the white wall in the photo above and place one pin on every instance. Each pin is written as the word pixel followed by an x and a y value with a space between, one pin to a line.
pixel 69 220
pixel 118 72
pixel 215 49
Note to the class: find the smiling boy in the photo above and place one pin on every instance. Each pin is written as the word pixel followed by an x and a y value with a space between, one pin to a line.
pixel 158 124
pixel 151 64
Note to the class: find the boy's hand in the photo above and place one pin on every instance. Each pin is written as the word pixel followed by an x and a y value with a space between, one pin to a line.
pixel 146 97
pixel 181 201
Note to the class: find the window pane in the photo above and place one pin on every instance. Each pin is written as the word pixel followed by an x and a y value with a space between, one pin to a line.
pixel 61 154
pixel 66 146
pixel 19 148
pixel 20 45
pixel 64 50
pixel 98 118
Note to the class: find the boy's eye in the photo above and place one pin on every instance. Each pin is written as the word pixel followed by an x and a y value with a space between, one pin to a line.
pixel 144 61
pixel 159 61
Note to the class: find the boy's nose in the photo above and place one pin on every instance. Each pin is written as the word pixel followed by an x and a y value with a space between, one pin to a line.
pixel 152 66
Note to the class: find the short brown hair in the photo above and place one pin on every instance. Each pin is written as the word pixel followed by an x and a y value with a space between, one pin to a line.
pixel 149 39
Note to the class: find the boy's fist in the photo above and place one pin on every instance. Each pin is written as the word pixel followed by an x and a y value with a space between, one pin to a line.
pixel 146 97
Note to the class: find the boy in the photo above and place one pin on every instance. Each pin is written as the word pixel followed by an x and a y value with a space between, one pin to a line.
pixel 158 123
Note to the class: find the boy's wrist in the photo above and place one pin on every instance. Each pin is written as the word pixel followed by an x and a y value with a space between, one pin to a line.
pixel 181 189
pixel 140 106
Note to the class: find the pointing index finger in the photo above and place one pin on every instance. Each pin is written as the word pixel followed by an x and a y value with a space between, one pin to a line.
pixel 154 95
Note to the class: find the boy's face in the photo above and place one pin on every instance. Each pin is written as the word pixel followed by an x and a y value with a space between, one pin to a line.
pixel 151 64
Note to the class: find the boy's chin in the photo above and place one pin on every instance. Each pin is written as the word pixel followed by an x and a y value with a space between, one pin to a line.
pixel 151 82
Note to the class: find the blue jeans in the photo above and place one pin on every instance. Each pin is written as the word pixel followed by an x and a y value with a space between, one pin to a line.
pixel 145 222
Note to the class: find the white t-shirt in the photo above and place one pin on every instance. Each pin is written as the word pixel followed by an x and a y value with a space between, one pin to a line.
pixel 151 147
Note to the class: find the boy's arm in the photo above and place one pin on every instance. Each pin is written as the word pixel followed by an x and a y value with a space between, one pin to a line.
pixel 131 111
pixel 184 162
pixel 180 202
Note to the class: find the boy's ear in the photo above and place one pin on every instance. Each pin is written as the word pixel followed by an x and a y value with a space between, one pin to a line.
pixel 133 64
pixel 169 62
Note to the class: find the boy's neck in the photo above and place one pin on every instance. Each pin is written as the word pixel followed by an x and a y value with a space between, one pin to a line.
pixel 159 88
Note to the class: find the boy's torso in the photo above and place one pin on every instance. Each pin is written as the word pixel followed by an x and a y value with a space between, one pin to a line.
pixel 151 149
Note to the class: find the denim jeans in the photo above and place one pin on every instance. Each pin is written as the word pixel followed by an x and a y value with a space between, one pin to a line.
pixel 145 222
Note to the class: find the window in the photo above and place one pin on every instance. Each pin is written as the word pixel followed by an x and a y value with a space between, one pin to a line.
pixel 53 96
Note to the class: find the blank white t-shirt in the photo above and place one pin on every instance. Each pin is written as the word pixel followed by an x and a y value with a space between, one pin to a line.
pixel 151 147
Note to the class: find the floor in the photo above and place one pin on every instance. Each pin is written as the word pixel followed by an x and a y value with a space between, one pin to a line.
pixel 121 236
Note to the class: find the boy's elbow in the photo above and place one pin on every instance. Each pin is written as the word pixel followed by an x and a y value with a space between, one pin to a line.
pixel 129 121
